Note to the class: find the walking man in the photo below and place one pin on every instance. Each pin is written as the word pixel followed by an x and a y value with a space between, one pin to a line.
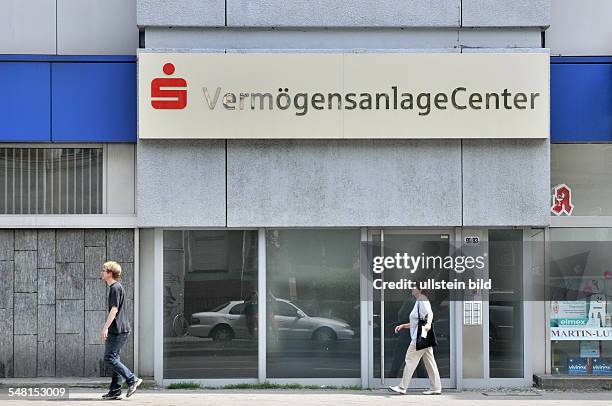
pixel 115 333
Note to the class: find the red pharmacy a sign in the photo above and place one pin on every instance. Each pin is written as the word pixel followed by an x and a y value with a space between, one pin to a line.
pixel 562 200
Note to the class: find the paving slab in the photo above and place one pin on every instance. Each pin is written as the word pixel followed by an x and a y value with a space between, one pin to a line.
pixel 330 397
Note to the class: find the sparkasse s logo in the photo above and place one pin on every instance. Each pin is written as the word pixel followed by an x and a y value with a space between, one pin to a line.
pixel 173 91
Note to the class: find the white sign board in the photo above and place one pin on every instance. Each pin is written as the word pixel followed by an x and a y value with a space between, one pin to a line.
pixel 580 333
pixel 351 95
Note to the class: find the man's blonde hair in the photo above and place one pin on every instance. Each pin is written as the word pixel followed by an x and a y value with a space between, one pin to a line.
pixel 114 268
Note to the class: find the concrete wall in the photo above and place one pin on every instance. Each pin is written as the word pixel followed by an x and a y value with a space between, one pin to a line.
pixel 181 13
pixel 146 302
pixel 68 27
pixel 53 303
pixel 343 183
pixel 287 183
pixel 504 13
pixel 580 28
pixel 343 13
pixel 338 25
pixel 342 39
pixel 181 183
pixel 506 182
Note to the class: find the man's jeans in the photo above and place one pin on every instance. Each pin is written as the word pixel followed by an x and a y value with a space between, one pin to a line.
pixel 112 349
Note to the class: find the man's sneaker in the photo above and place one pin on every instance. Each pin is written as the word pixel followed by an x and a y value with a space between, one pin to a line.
pixel 397 389
pixel 111 396
pixel 132 388
pixel 432 392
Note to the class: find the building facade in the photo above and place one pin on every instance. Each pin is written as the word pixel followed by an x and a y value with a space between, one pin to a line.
pixel 245 245
pixel 285 218
pixel 68 132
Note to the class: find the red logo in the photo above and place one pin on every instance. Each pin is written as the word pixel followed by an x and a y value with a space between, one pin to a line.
pixel 562 200
pixel 174 91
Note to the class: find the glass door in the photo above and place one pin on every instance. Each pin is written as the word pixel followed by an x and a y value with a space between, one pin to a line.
pixel 390 307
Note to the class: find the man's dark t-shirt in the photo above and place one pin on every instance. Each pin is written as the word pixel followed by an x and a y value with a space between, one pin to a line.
pixel 117 298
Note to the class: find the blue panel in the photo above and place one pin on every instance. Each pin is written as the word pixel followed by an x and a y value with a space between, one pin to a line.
pixel 581 101
pixel 94 102
pixel 581 59
pixel 25 105
pixel 66 58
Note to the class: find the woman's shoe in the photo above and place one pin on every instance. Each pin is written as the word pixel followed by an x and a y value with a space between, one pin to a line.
pixel 432 392
pixel 397 389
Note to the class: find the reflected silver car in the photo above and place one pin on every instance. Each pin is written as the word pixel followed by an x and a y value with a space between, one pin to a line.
pixel 235 320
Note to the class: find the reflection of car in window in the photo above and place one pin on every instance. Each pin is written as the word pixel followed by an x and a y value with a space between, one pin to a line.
pixel 218 308
pixel 285 309
pixel 238 309
pixel 229 321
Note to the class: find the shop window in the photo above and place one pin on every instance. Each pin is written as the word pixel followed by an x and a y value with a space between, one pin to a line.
pixel 585 169
pixel 581 301
pixel 210 304
pixel 313 303
pixel 51 180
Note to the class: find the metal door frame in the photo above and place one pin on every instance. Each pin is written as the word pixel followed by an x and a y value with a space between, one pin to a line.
pixel 417 383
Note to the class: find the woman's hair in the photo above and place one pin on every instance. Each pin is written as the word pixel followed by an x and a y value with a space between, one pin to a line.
pixel 419 283
pixel 114 268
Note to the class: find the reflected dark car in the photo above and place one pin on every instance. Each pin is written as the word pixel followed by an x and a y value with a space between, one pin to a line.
pixel 229 321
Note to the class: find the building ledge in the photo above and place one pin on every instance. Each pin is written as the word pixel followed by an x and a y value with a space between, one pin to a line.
pixel 573 382
pixel 68 221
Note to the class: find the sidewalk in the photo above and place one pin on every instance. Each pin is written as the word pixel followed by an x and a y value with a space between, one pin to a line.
pixel 329 397
pixel 72 383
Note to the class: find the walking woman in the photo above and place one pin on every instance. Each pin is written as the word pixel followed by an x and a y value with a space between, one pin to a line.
pixel 422 309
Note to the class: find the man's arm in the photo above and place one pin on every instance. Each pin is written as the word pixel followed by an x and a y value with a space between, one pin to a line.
pixel 109 320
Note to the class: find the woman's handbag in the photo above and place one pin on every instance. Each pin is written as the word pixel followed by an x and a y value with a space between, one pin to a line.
pixel 430 339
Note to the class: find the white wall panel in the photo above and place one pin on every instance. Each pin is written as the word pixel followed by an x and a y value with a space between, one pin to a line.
pixel 580 28
pixel 27 27
pixel 96 27
pixel 120 176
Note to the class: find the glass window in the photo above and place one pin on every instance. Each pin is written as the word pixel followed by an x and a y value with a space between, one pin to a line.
pixel 581 301
pixel 50 180
pixel 316 271
pixel 505 304
pixel 586 169
pixel 210 304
